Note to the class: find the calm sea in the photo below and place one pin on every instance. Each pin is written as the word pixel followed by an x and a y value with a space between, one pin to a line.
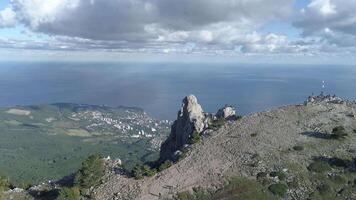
pixel 159 87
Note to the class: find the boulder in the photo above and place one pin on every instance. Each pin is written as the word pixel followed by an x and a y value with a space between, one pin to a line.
pixel 191 117
pixel 226 112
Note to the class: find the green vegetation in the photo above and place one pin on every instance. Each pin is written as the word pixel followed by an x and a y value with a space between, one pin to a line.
pixel 67 140
pixel 319 166
pixel 237 189
pixel 280 174
pixel 4 182
pixel 216 124
pixel 91 172
pixel 254 135
pixel 140 171
pixel 338 132
pixel 298 148
pixel 278 189
pixel 194 138
pixel 354 130
pixel 69 194
pixel 165 165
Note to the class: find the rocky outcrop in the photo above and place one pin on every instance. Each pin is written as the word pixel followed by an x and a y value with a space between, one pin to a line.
pixel 321 98
pixel 226 112
pixel 191 117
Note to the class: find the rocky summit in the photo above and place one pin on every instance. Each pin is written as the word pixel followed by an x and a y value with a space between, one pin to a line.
pixel 191 119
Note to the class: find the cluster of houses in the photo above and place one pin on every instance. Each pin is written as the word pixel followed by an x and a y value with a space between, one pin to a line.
pixel 133 125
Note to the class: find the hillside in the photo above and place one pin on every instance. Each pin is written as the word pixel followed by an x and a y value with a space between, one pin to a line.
pixel 293 152
pixel 46 142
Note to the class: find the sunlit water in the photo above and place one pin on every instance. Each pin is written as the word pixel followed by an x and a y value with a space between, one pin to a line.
pixel 159 87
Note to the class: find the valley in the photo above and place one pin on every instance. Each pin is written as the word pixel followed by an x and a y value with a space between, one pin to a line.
pixel 47 142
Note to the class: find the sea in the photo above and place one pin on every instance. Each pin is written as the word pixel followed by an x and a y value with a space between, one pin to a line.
pixel 159 87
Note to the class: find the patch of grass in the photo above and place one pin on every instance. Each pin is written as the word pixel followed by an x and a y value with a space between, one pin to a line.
pixel 338 132
pixel 338 179
pixel 319 166
pixel 69 194
pixel 237 189
pixel 194 138
pixel 281 175
pixel 243 189
pixel 91 172
pixel 298 148
pixel 278 189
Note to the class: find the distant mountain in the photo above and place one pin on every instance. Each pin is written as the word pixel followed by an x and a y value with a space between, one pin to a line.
pixel 50 141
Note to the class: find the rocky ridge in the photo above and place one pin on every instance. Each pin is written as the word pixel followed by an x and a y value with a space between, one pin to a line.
pixel 259 143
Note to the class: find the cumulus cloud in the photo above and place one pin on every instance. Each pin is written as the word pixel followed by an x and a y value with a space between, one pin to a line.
pixel 148 24
pixel 130 19
pixel 333 21
pixel 7 17
pixel 184 26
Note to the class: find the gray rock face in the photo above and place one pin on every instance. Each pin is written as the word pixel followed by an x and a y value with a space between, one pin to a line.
pixel 226 112
pixel 190 118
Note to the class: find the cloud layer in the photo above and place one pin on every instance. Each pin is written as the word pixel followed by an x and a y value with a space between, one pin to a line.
pixel 183 26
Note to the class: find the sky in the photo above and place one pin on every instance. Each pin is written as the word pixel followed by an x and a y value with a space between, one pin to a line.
pixel 296 31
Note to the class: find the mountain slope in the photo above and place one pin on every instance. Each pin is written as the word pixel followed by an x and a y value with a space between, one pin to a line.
pixel 286 140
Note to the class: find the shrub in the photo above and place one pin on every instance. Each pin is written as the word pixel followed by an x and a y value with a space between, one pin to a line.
pixel 216 124
pixel 4 182
pixel 278 189
pixel 354 130
pixel 254 135
pixel 140 171
pixel 298 148
pixel 183 155
pixel 91 172
pixel 194 138
pixel 293 184
pixel 281 175
pixel 185 196
pixel 261 175
pixel 324 188
pixel 69 194
pixel 338 132
pixel 319 166
pixel 165 165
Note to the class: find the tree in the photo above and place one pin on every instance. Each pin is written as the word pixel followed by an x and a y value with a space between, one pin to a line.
pixel 91 172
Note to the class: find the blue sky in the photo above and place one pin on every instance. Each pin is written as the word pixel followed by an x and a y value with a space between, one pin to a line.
pixel 210 28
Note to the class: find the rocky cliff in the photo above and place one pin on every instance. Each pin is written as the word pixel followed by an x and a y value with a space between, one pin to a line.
pixel 191 118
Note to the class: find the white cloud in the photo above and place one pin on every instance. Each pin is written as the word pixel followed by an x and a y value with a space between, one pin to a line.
pixel 330 19
pixel 181 26
pixel 7 17
pixel 146 21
